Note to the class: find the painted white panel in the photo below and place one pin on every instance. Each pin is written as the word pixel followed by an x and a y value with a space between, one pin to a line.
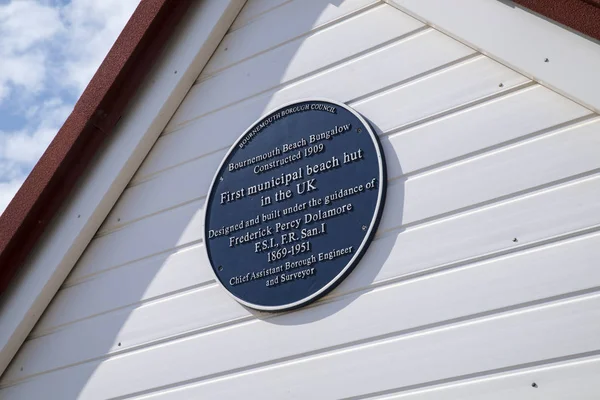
pixel 410 252
pixel 520 39
pixel 187 51
pixel 525 112
pixel 441 244
pixel 481 344
pixel 490 232
pixel 290 21
pixel 144 280
pixel 472 80
pixel 473 347
pixel 467 292
pixel 296 59
pixel 490 124
pixel 466 184
pixel 556 156
pixel 421 52
pixel 137 203
pixel 254 9
pixel 145 238
pixel 483 233
pixel 558 381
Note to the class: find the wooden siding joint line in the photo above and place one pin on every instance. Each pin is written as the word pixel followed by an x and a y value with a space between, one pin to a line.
pixel 393 132
pixel 188 289
pixel 379 339
pixel 493 56
pixel 259 15
pixel 582 357
pixel 304 77
pixel 571 124
pixel 171 250
pixel 493 313
pixel 307 76
pixel 311 32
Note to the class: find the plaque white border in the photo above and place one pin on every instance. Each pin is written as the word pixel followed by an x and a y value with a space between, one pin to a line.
pixel 370 230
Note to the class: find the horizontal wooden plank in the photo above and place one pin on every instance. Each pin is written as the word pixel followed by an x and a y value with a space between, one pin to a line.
pixel 507 235
pixel 144 280
pixel 476 129
pixel 142 200
pixel 483 179
pixel 519 167
pixel 549 213
pixel 479 234
pixel 573 59
pixel 187 48
pixel 295 60
pixel 456 86
pixel 421 52
pixel 467 184
pixel 429 247
pixel 544 215
pixel 290 21
pixel 415 341
pixel 167 190
pixel 145 238
pixel 505 341
pixel 557 381
pixel 254 9
pixel 505 119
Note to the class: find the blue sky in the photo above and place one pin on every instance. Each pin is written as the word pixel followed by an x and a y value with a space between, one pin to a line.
pixel 49 50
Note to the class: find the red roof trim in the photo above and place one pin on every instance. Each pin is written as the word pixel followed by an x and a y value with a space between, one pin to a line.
pixel 580 15
pixel 93 118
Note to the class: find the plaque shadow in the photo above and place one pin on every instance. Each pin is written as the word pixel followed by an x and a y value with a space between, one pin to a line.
pixel 138 270
pixel 371 268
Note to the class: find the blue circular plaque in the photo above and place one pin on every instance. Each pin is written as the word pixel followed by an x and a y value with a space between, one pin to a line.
pixel 294 204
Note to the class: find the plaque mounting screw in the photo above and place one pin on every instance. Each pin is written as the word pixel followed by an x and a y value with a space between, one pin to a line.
pixel 358 130
pixel 221 179
pixel 364 227
pixel 220 268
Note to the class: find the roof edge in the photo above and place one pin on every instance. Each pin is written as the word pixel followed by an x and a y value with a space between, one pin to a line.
pixel 92 120
pixel 580 15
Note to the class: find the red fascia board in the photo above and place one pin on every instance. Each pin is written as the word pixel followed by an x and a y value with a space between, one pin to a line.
pixel 580 15
pixel 93 118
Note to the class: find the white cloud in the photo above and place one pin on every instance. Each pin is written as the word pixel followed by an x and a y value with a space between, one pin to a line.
pixel 24 27
pixel 90 23
pixel 48 54
pixel 26 71
pixel 26 22
pixel 20 150
pixel 26 146
pixel 8 190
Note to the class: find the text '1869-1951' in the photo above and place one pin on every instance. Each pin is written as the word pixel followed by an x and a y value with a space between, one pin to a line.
pixel 294 204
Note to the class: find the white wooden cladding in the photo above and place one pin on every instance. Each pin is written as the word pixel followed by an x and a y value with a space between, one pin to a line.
pixel 309 16
pixel 541 48
pixel 384 124
pixel 444 243
pixel 481 280
pixel 68 234
pixel 254 10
